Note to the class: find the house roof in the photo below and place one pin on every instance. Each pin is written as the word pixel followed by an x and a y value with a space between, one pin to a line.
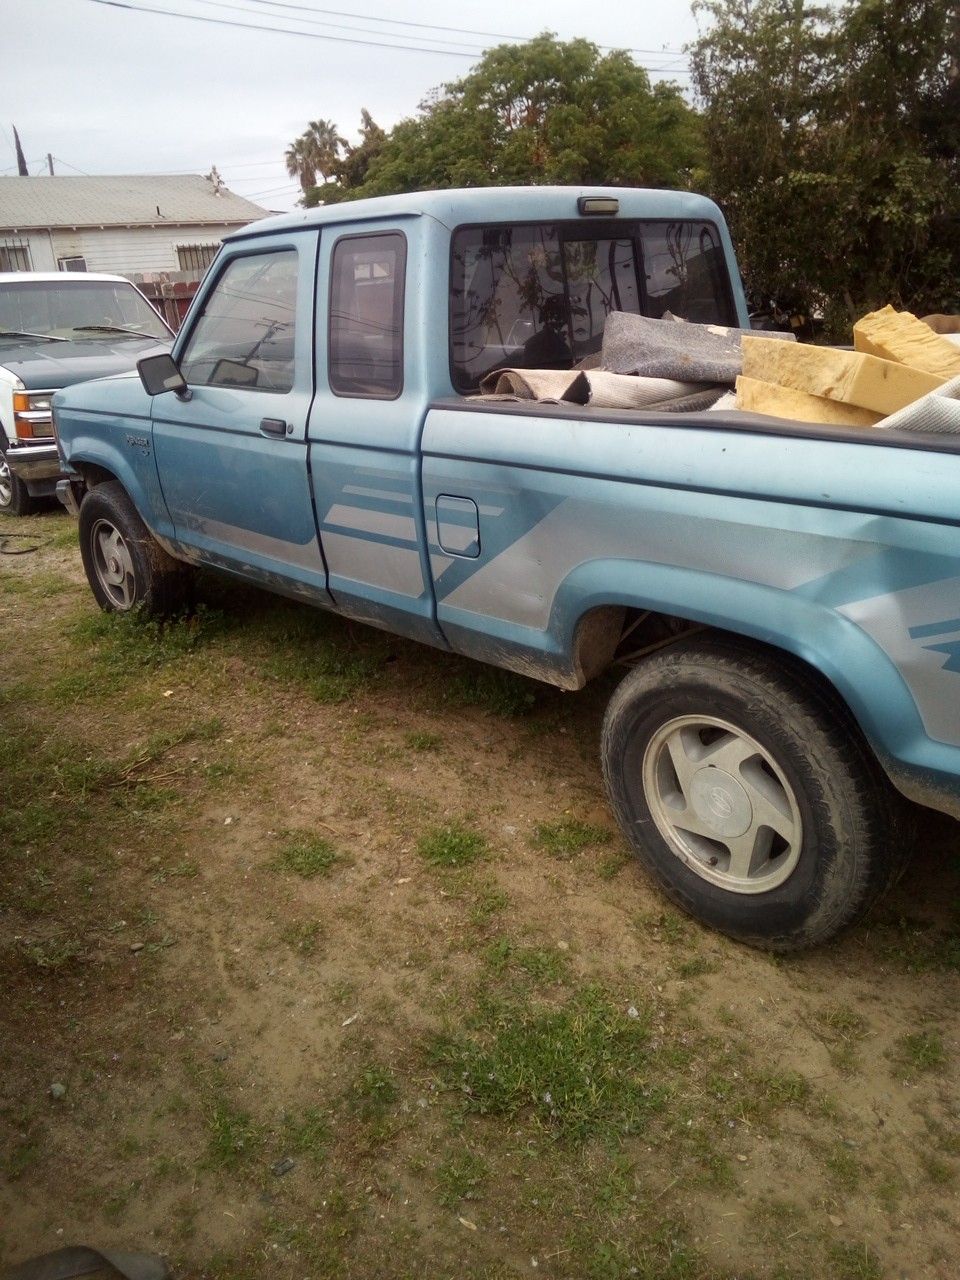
pixel 138 200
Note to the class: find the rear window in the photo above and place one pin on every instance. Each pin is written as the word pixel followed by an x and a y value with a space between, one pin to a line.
pixel 537 296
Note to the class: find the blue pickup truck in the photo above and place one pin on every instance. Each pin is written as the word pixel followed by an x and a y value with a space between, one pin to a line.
pixel 783 596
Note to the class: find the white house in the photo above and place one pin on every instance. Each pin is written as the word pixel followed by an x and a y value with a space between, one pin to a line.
pixel 133 226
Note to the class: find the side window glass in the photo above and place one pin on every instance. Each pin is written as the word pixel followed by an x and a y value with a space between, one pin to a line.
pixel 685 272
pixel 366 316
pixel 245 336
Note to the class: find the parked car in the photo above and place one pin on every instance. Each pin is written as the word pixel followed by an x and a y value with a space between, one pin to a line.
pixel 56 329
pixel 784 592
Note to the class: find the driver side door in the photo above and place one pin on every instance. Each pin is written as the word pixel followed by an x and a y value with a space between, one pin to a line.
pixel 232 459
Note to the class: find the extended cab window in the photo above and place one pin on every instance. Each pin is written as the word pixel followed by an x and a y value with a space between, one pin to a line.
pixel 366 316
pixel 537 296
pixel 245 336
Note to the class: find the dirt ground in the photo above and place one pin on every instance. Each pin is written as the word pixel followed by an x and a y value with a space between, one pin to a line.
pixel 321 956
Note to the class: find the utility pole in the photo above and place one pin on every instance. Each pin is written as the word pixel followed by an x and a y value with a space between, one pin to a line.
pixel 50 163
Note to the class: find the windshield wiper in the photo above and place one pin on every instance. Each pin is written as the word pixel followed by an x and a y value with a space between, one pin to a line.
pixel 25 333
pixel 109 328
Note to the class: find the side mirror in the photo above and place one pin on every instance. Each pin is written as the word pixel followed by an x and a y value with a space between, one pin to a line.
pixel 160 373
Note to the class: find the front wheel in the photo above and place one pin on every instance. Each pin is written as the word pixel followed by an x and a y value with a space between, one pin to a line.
pixel 15 498
pixel 747 791
pixel 125 566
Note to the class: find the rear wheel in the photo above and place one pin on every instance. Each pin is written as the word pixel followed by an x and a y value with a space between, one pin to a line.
pixel 746 789
pixel 125 565
pixel 14 496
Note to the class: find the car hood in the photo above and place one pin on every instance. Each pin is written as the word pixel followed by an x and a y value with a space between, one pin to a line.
pixel 48 365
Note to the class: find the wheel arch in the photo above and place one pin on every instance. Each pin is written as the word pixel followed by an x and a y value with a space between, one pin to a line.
pixel 832 648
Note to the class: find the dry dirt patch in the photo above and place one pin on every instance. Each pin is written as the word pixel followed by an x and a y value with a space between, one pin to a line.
pixel 333 948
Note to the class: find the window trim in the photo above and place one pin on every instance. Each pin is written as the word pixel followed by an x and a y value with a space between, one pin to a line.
pixel 185 335
pixel 400 305
pixel 195 248
pixel 15 245
pixel 567 224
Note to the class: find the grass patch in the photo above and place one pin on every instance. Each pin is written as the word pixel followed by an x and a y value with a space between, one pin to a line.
pixel 546 965
pixel 922 1051
pixel 579 1071
pixel 452 845
pixel 307 1135
pixel 501 693
pixel 422 741
pixel 373 1094
pixel 304 936
pixel 233 1137
pixel 568 837
pixel 308 856
pixel 460 1178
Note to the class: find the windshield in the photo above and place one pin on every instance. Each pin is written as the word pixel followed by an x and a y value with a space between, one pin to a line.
pixel 94 309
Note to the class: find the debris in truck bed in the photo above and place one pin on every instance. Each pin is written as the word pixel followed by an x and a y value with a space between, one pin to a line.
pixel 675 348
pixel 900 336
pixel 787 402
pixel 853 377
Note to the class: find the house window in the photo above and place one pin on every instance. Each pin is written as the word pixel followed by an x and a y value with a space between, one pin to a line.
pixel 196 257
pixel 72 264
pixel 14 255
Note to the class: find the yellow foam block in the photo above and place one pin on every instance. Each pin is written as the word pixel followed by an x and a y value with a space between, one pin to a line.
pixel 900 336
pixel 850 376
pixel 800 406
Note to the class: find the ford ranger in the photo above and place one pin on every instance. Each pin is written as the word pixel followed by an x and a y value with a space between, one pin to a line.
pixel 784 596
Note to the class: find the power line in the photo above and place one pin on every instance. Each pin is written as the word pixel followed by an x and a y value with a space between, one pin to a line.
pixel 286 31
pixel 340 26
pixel 303 35
pixel 434 26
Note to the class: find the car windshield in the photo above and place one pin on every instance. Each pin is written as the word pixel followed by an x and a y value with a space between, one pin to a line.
pixel 90 309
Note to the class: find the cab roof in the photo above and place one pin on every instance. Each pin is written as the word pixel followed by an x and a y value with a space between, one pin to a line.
pixel 494 204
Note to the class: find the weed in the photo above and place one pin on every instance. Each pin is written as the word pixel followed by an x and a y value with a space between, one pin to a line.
pixel 501 693
pixel 307 1135
pixel 52 953
pixel 568 836
pixel 544 964
pixel 303 936
pixel 695 967
pixel 459 1178
pixel 307 855
pixel 373 1093
pixel 922 1051
pixel 422 741
pixel 854 1262
pixel 453 845
pixel 301 650
pixel 489 902
pixel 233 1136
pixel 938 1171
pixel 579 1071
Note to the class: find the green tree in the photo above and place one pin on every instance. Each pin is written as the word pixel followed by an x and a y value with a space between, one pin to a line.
pixel 545 111
pixel 832 135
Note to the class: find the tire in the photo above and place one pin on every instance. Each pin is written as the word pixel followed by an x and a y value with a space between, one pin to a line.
pixel 126 567
pixel 15 499
pixel 747 791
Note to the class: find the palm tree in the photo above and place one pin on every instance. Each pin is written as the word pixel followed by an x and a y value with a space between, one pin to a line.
pixel 300 162
pixel 324 142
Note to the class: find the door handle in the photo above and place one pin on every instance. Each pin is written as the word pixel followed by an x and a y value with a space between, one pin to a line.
pixel 273 427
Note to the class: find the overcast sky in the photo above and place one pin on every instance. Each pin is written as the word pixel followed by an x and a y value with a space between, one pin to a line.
pixel 109 89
